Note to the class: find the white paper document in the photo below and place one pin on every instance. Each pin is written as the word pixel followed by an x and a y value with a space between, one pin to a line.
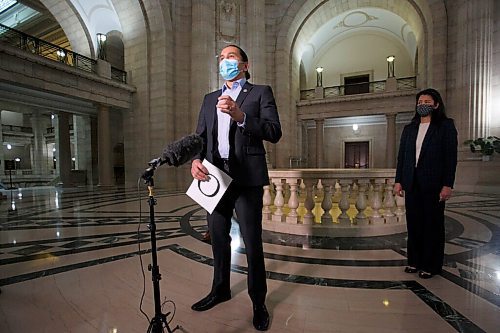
pixel 209 192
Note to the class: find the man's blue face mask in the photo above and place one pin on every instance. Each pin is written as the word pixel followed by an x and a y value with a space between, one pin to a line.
pixel 228 69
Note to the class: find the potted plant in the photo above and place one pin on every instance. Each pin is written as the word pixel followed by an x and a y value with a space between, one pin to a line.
pixel 485 146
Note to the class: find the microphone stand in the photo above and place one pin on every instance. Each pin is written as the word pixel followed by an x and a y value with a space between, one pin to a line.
pixel 159 321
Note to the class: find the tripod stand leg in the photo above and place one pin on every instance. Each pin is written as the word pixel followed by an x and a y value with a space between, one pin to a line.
pixel 158 325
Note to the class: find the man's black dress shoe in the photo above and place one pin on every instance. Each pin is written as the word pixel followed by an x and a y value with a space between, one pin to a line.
pixel 210 301
pixel 409 269
pixel 260 317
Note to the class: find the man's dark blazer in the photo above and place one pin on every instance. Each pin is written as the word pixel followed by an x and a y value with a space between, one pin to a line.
pixel 437 161
pixel 247 161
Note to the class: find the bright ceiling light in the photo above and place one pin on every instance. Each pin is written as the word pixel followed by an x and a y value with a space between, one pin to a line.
pixel 5 4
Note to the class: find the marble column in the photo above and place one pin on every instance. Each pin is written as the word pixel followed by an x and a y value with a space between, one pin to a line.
pixel 83 145
pixel 472 70
pixel 256 40
pixel 106 177
pixel 63 148
pixel 2 154
pixel 319 142
pixel 39 160
pixel 390 149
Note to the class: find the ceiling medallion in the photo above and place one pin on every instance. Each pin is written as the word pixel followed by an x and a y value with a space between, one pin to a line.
pixel 355 19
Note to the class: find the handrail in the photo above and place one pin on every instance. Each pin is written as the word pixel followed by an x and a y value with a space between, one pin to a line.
pixel 53 52
pixel 405 83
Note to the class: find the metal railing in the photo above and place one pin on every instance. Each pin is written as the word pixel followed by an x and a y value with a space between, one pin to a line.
pixel 406 83
pixel 118 75
pixel 53 52
pixel 14 128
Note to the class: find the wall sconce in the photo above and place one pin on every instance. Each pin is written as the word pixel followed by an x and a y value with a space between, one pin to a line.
pixel 319 76
pixel 61 55
pixel 390 66
pixel 355 129
pixel 9 146
pixel 101 46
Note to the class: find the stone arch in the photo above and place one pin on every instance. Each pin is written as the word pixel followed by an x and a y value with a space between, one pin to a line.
pixel 427 18
pixel 70 21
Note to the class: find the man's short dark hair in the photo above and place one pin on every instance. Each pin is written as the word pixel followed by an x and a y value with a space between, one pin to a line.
pixel 243 55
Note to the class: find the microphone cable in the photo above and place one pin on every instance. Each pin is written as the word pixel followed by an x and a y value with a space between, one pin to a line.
pixel 142 264
pixel 140 251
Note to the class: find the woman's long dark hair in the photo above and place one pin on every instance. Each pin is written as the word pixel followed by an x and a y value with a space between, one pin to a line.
pixel 437 115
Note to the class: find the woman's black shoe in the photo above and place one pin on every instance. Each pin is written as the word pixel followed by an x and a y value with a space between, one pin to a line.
pixel 409 269
pixel 424 275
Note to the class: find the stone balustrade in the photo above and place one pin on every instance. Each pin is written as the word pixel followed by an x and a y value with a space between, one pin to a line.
pixel 334 202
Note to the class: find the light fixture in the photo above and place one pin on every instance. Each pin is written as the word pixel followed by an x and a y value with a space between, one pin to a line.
pixel 101 46
pixel 73 159
pixel 319 76
pixel 355 127
pixel 390 66
pixel 17 159
pixel 61 55
pixel 9 146
pixel 101 38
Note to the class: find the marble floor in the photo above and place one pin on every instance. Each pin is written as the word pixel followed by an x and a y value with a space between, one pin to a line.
pixel 69 262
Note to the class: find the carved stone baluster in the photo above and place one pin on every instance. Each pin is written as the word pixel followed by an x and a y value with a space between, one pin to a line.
pixel 279 202
pixel 400 209
pixel 343 218
pixel 370 192
pixel 326 204
pixel 293 202
pixel 361 203
pixel 336 193
pixel 302 190
pixel 309 202
pixel 376 218
pixel 266 201
pixel 389 202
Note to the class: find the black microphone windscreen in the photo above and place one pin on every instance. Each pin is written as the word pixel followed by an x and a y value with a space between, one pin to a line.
pixel 179 152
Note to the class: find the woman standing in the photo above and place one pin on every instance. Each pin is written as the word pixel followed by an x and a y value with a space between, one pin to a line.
pixel 425 175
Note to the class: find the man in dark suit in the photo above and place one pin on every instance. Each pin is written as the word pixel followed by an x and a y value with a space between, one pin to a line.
pixel 427 161
pixel 234 121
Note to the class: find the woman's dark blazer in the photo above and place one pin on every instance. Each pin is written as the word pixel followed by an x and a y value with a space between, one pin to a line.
pixel 247 160
pixel 438 157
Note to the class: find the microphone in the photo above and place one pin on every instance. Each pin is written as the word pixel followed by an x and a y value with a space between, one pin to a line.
pixel 176 153
pixel 179 152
